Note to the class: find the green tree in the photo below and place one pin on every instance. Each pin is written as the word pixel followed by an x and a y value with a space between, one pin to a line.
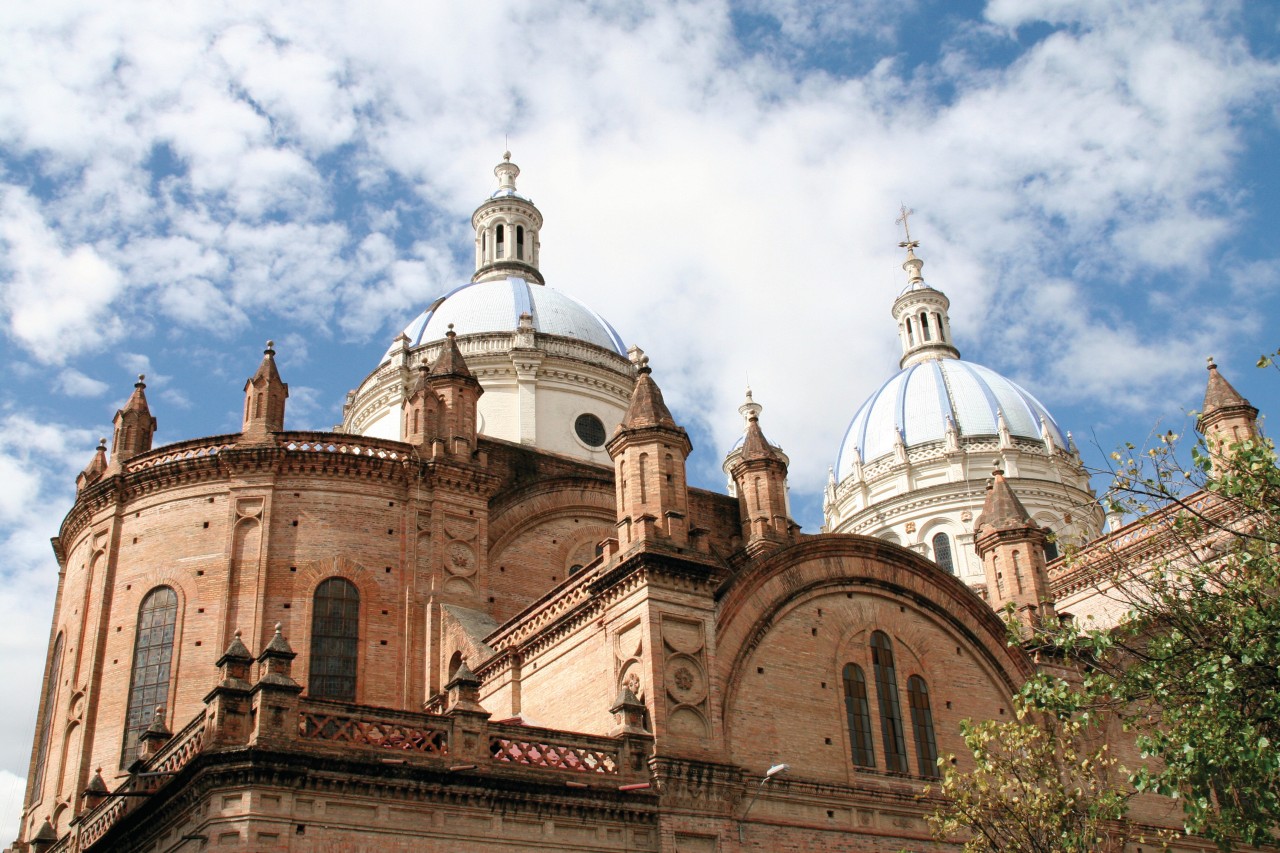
pixel 1040 784
pixel 1192 669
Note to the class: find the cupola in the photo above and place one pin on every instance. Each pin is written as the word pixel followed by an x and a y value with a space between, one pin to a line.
pixel 507 226
pixel 920 311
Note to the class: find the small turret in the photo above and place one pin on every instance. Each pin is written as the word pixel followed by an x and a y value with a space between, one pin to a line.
pixel 1226 418
pixel 97 466
pixel 458 393
pixel 1011 547
pixel 134 427
pixel 649 452
pixel 421 409
pixel 759 474
pixel 264 397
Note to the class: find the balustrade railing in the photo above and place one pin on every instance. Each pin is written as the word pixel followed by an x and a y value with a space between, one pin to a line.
pixel 540 748
pixel 423 733
pixel 327 725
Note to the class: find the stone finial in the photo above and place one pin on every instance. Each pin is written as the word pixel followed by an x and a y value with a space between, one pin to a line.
pixel 277 662
pixel 629 713
pixel 155 736
pixel 464 691
pixel 96 791
pixel 236 650
pixel 506 173
pixel 44 838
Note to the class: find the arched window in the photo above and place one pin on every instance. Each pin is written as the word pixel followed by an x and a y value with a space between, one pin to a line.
pixel 942 553
pixel 500 240
pixel 858 713
pixel 335 631
pixel 46 719
pixel 1050 550
pixel 152 653
pixel 519 242
pixel 922 724
pixel 924 327
pixel 895 748
pixel 644 475
pixel 911 335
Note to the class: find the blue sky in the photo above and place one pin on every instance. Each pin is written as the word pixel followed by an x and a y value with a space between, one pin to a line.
pixel 1094 184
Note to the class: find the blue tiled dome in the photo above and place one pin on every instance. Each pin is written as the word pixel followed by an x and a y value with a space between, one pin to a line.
pixel 917 402
pixel 496 306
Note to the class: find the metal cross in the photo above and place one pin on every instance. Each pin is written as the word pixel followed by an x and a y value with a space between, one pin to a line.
pixel 903 220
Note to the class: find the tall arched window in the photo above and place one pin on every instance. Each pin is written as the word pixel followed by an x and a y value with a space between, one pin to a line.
pixel 46 718
pixel 335 633
pixel 895 747
pixel 922 724
pixel 152 653
pixel 1050 550
pixel 501 240
pixel 859 715
pixel 519 242
pixel 942 553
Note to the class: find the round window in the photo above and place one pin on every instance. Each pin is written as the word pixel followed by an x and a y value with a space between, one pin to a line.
pixel 590 429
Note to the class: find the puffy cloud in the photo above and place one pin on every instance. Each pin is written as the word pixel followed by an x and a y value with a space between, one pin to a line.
pixel 73 383
pixel 719 180
pixel 57 298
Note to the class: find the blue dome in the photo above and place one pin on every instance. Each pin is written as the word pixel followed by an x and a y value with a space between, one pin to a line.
pixel 496 306
pixel 917 402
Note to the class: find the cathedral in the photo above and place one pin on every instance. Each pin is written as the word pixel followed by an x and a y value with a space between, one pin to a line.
pixel 488 612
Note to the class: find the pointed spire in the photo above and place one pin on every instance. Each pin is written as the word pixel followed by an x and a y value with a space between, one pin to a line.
pixel 267 368
pixel 759 473
pixel 1227 418
pixel 264 399
pixel 1219 393
pixel 1012 549
pixel 276 663
pixel 450 361
pixel 236 651
pixel 647 407
pixel 458 392
pixel 754 444
pixel 1002 428
pixel 649 450
pixel 96 787
pixel 137 401
pixel 45 835
pixel 97 466
pixel 952 435
pixel 134 427
pixel 1001 509
pixel 464 691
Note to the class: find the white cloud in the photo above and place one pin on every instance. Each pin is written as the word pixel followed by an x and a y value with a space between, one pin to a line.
pixel 727 206
pixel 73 383
pixel 57 298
